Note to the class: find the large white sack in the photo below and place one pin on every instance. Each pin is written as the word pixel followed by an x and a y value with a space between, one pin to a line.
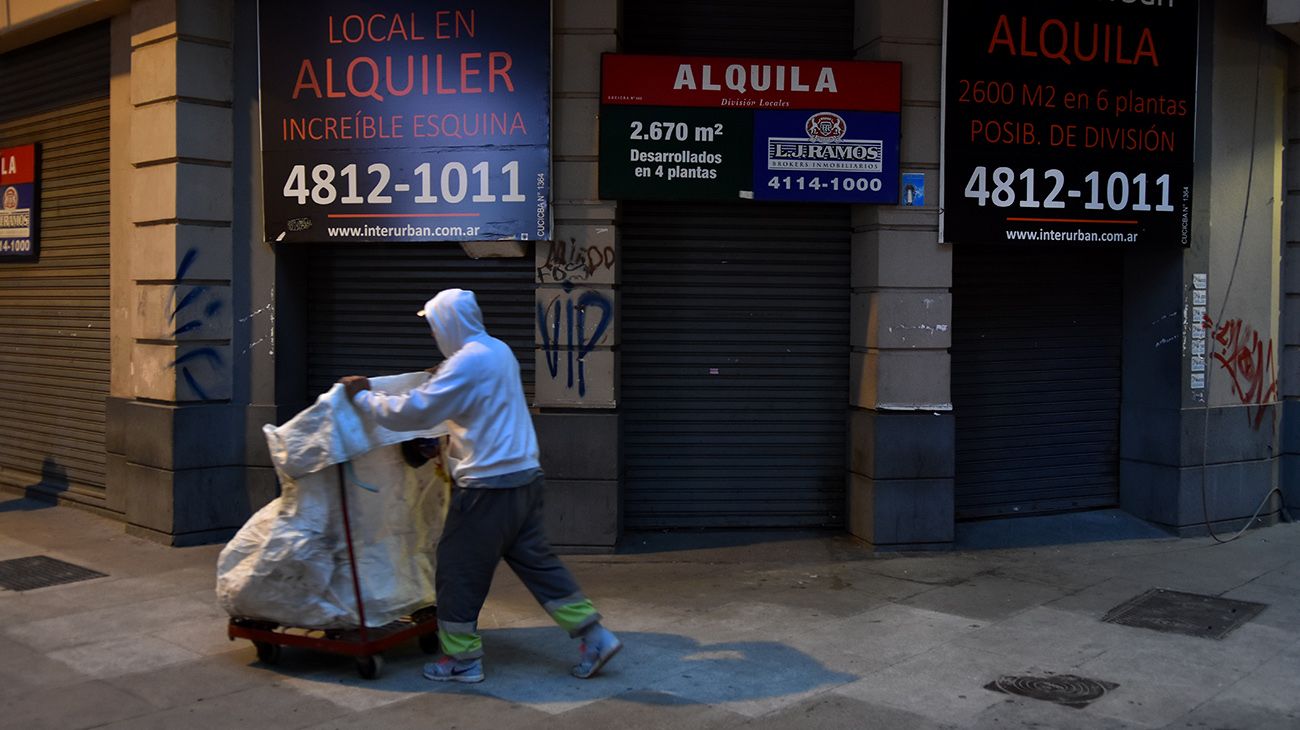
pixel 332 430
pixel 289 562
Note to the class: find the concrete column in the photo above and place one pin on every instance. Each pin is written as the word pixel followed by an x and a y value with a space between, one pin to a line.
pixel 577 281
pixel 1209 454
pixel 1290 355
pixel 901 426
pixel 183 426
pixel 121 286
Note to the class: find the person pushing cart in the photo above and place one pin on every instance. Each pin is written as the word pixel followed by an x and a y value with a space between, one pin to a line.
pixel 496 505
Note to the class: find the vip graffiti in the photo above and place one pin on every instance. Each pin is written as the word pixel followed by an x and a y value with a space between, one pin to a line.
pixel 1248 360
pixel 570 329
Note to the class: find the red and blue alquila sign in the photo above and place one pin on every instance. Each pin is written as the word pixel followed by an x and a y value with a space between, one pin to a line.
pixel 704 128
pixel 18 203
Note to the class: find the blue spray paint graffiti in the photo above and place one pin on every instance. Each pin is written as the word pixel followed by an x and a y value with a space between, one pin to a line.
pixel 572 341
pixel 211 355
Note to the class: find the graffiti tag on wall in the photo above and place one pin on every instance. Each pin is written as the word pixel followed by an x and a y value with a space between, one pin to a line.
pixel 192 309
pixel 572 262
pixel 1248 360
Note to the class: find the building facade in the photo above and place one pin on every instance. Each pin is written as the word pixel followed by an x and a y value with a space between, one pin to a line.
pixel 733 364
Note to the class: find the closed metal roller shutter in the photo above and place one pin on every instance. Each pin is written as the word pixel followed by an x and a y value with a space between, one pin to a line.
pixel 735 317
pixel 1036 380
pixel 735 364
pixel 363 298
pixel 54 313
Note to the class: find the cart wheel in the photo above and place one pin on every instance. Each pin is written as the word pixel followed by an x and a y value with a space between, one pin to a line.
pixel 429 643
pixel 267 653
pixel 369 667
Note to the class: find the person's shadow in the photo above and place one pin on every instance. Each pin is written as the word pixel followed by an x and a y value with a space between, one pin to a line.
pixel 530 666
pixel 42 494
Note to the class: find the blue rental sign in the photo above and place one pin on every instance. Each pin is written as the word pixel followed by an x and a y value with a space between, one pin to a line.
pixel 18 203
pixel 835 157
pixel 404 120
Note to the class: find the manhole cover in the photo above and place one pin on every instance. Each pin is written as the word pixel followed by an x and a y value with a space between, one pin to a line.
pixel 1063 689
pixel 1209 617
pixel 40 571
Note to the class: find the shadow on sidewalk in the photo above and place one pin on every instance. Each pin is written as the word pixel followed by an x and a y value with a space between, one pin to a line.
pixel 43 494
pixel 530 666
pixel 1069 528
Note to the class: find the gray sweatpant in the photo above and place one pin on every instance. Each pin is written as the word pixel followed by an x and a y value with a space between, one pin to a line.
pixel 483 526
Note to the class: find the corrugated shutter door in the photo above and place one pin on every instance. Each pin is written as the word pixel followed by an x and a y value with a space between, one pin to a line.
pixel 363 298
pixel 1036 379
pixel 735 317
pixel 54 314
pixel 735 360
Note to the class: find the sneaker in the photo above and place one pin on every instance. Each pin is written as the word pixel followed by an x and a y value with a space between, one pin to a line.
pixel 598 646
pixel 447 669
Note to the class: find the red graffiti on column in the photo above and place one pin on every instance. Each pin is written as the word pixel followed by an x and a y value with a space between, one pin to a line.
pixel 1248 359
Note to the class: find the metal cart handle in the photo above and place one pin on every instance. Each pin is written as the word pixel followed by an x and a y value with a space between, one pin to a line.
pixel 352 556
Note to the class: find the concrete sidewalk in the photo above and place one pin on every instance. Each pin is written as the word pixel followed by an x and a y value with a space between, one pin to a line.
pixel 771 630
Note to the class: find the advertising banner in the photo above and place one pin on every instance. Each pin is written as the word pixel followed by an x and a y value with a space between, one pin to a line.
pixel 1069 122
pixel 402 120
pixel 698 128
pixel 18 204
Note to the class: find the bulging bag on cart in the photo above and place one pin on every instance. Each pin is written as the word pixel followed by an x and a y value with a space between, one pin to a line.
pixel 289 563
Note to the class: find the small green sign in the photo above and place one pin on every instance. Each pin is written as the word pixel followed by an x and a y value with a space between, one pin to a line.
pixel 674 153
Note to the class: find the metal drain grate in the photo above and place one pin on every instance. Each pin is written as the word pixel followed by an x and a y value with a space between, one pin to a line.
pixel 1208 617
pixel 1063 689
pixel 40 571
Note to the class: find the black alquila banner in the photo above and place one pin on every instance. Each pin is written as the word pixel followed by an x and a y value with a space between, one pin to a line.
pixel 1069 122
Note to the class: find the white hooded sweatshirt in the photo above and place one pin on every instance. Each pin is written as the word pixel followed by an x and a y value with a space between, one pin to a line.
pixel 476 390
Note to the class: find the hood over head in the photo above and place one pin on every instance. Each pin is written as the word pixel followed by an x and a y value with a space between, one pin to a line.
pixel 454 317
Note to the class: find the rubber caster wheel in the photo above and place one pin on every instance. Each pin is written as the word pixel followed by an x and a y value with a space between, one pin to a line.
pixel 369 667
pixel 429 643
pixel 267 653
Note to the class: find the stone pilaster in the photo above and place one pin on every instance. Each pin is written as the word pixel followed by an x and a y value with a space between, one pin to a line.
pixel 901 427
pixel 576 299
pixel 184 440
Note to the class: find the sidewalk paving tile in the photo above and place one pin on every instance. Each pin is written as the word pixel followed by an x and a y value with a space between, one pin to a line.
pixel 886 635
pixel 171 686
pixel 644 710
pixel 259 707
pixel 985 597
pixel 140 618
pixel 1157 686
pixel 1274 685
pixel 1027 713
pixel 84 705
pixel 1227 713
pixel 945 684
pixel 24 669
pixel 1055 639
pixel 124 655
pixel 837 711
pixel 434 711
